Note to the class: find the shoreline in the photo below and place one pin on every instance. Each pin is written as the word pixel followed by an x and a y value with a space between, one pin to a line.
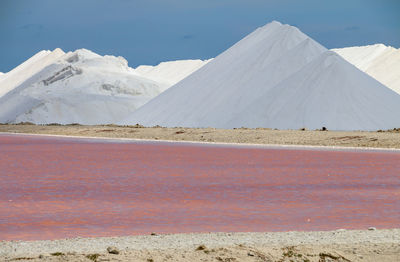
pixel 189 142
pixel 297 139
pixel 371 245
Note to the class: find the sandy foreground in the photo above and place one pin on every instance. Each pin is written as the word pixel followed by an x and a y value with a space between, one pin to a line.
pixel 385 139
pixel 340 245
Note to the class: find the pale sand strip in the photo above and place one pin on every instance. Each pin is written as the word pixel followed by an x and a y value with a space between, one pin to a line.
pixel 351 244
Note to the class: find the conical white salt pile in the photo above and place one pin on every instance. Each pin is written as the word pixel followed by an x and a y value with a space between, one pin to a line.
pixel 379 61
pixel 327 92
pixel 277 77
pixel 77 87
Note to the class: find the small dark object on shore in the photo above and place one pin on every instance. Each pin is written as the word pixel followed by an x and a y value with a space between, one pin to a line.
pixel 57 254
pixel 330 257
pixel 201 247
pixel 112 250
pixel 93 257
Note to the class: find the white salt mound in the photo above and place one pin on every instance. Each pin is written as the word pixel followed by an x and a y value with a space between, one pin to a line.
pixel 276 77
pixel 170 73
pixel 28 68
pixel 78 87
pixel 379 61
pixel 303 100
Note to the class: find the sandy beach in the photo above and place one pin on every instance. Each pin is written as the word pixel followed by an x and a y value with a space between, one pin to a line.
pixel 383 139
pixel 340 245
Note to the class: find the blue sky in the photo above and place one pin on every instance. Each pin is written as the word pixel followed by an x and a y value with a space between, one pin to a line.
pixel 152 31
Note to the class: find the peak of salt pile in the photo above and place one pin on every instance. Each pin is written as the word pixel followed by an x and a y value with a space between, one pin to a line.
pixel 77 87
pixel 276 77
pixel 28 68
pixel 379 61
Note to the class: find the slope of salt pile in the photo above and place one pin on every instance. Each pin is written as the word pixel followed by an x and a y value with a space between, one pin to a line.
pixel 327 92
pixel 379 61
pixel 80 87
pixel 170 72
pixel 28 68
pixel 276 77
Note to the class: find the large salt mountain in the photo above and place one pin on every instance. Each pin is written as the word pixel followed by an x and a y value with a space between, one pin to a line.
pixel 76 87
pixel 276 77
pixel 379 61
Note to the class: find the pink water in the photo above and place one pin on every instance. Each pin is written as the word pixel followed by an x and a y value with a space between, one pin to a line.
pixel 62 187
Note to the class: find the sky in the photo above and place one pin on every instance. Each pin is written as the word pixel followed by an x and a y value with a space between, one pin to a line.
pixel 153 31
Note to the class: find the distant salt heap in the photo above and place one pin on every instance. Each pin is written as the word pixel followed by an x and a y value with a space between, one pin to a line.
pixel 30 67
pixel 379 61
pixel 170 73
pixel 276 77
pixel 77 87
